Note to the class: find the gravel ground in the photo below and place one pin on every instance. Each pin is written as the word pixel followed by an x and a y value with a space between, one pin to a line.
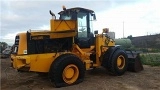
pixel 97 79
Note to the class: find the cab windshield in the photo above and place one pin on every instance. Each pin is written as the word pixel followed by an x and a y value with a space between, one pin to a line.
pixel 66 17
pixel 84 22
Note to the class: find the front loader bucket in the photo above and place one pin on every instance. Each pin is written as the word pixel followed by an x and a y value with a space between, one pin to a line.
pixel 134 62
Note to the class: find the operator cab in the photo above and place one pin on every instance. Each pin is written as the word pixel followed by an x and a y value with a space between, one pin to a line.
pixel 84 17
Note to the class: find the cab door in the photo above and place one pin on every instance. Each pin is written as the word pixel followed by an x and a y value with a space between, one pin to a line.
pixel 84 34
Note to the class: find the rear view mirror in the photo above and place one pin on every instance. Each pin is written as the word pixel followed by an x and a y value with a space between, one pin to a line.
pixel 94 16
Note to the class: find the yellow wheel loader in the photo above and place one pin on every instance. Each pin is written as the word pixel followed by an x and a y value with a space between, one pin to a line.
pixel 70 48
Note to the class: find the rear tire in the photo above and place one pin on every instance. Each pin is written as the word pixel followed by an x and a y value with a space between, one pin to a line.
pixel 67 69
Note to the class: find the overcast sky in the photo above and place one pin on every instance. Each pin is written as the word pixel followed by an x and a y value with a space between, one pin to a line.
pixel 140 17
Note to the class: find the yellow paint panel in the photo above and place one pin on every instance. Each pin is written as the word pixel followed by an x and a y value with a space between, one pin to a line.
pixel 63 25
pixel 36 62
pixel 41 62
pixel 22 43
pixel 54 34
pixel 62 35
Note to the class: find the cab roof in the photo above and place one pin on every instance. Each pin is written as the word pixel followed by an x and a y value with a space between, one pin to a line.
pixel 77 9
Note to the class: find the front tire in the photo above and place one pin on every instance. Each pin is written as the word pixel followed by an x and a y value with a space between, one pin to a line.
pixel 118 63
pixel 115 61
pixel 67 69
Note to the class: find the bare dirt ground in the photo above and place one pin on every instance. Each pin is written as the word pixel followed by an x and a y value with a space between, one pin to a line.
pixel 97 79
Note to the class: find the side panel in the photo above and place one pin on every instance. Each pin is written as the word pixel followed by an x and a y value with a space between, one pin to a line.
pixel 22 48
pixel 63 25
pixel 42 62
pixel 35 62
pixel 100 41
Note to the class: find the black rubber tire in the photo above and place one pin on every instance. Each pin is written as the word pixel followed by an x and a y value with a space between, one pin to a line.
pixel 112 64
pixel 57 67
pixel 106 57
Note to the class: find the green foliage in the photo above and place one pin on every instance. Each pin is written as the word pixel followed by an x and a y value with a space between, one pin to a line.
pixel 154 50
pixel 149 50
pixel 152 59
pixel 145 50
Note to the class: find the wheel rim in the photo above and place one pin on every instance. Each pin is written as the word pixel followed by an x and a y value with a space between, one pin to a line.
pixel 70 74
pixel 121 62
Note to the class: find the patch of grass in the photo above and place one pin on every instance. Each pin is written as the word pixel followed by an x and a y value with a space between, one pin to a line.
pixel 152 59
